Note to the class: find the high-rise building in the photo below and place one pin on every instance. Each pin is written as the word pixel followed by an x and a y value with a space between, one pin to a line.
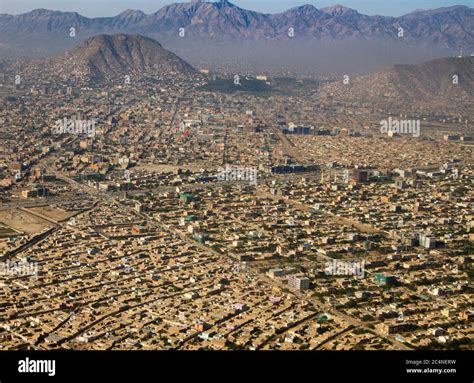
pixel 359 175
pixel 298 283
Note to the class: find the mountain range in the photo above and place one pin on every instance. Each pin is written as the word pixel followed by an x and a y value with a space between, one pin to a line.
pixel 210 31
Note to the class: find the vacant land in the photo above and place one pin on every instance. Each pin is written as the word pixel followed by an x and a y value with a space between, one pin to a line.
pixel 23 221
pixel 50 212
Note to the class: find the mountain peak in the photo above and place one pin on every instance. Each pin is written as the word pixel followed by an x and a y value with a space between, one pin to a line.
pixel 307 8
pixel 118 39
pixel 222 3
pixel 338 10
pixel 132 13
pixel 110 57
pixel 433 12
pixel 303 10
pixel 41 12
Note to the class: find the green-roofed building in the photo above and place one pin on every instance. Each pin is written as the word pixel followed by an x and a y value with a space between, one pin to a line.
pixel 186 197
pixel 385 279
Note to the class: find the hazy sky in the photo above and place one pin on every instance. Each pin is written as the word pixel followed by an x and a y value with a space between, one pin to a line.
pixel 113 7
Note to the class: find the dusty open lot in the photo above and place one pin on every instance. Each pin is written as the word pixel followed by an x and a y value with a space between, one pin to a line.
pixel 51 213
pixel 22 221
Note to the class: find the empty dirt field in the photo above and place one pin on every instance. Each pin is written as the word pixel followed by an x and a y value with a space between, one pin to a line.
pixel 52 213
pixel 22 221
